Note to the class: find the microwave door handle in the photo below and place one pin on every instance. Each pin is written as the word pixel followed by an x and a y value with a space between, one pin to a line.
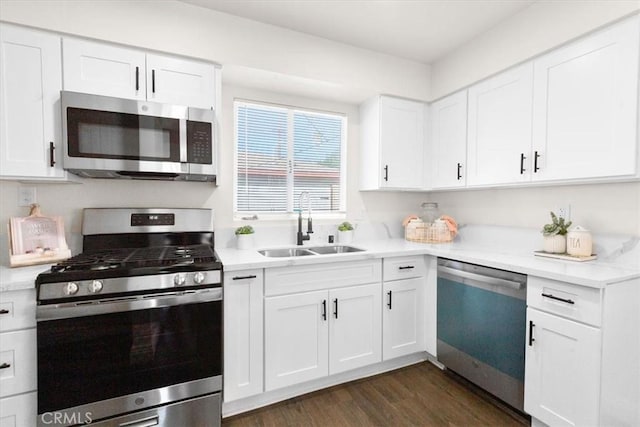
pixel 183 141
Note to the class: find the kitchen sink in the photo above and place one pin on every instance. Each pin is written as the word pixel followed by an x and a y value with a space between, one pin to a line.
pixel 317 250
pixel 284 253
pixel 338 249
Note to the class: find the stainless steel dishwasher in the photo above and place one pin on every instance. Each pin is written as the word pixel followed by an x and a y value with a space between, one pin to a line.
pixel 482 327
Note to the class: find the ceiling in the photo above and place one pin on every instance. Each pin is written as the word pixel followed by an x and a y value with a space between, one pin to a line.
pixel 419 30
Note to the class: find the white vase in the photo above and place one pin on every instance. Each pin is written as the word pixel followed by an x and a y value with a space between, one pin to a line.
pixel 345 237
pixel 244 241
pixel 556 244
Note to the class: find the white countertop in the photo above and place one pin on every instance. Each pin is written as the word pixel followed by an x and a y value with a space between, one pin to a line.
pixel 591 273
pixel 506 248
pixel 18 278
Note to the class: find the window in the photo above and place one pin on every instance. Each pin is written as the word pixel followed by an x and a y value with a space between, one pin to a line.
pixel 281 152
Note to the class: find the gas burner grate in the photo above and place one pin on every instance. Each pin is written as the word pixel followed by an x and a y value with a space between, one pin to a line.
pixel 159 256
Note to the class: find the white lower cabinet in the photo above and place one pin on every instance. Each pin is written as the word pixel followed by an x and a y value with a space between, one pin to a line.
pixel 243 342
pixel 355 337
pixel 315 334
pixel 582 359
pixel 296 338
pixel 562 373
pixel 403 318
pixel 19 411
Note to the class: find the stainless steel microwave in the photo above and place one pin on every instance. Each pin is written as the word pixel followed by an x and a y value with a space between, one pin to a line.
pixel 108 137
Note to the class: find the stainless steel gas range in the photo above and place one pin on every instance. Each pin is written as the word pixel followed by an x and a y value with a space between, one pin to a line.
pixel 130 331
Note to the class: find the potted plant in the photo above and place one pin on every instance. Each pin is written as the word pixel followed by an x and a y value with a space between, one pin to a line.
pixel 555 235
pixel 244 237
pixel 345 232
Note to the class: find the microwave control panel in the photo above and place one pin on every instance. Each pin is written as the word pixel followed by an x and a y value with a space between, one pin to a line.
pixel 199 142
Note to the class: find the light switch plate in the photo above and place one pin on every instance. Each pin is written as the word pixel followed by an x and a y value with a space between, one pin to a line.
pixel 26 195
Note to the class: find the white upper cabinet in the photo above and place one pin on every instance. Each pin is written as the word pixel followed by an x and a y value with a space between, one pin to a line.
pixel 30 83
pixel 585 109
pixel 180 81
pixel 103 69
pixel 109 70
pixel 499 136
pixel 392 144
pixel 448 145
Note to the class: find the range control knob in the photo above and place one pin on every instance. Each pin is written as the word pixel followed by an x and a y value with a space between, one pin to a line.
pixel 71 288
pixel 95 286
pixel 198 278
pixel 179 279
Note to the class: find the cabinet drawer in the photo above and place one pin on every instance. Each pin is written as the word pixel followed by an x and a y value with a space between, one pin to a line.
pixel 17 362
pixel 304 278
pixel 17 310
pixel 19 411
pixel 575 302
pixel 245 277
pixel 403 267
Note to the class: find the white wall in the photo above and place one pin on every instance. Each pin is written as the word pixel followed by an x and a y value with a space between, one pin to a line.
pixel 267 54
pixel 540 27
pixel 68 200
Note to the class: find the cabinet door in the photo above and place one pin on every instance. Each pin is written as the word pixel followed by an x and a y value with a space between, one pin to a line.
pixel 562 371
pixel 355 331
pixel 403 329
pixel 19 411
pixel 296 336
pixel 585 106
pixel 499 137
pixel 243 342
pixel 402 143
pixel 180 81
pixel 17 362
pixel 30 83
pixel 103 69
pixel 449 141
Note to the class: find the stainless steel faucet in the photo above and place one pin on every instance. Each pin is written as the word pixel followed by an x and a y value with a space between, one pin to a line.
pixel 301 236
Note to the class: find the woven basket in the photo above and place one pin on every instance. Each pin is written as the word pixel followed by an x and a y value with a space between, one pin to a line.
pixel 421 232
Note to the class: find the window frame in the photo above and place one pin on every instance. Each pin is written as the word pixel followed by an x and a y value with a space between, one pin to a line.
pixel 291 203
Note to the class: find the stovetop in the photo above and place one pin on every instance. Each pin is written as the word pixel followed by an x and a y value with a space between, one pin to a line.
pixel 129 262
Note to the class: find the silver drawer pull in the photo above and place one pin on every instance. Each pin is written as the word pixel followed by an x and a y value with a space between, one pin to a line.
pixel 5 365
pixel 4 311
pixel 568 301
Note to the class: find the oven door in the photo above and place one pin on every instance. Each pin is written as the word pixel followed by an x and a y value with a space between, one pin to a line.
pixel 113 357
pixel 124 136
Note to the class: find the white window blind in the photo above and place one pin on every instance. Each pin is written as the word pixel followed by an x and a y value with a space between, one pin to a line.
pixel 281 152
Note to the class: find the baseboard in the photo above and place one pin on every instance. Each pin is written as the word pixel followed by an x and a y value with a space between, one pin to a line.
pixel 267 398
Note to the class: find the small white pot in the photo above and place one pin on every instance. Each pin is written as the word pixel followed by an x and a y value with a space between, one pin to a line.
pixel 244 241
pixel 345 237
pixel 554 244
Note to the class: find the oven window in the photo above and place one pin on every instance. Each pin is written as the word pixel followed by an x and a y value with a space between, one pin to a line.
pixel 88 359
pixel 109 135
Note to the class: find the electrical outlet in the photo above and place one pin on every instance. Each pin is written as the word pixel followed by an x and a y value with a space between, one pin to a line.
pixel 26 195
pixel 564 212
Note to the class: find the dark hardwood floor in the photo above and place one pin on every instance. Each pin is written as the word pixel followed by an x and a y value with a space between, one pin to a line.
pixel 418 395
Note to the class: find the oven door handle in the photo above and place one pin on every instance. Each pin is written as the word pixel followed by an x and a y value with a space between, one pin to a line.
pixel 146 422
pixel 116 305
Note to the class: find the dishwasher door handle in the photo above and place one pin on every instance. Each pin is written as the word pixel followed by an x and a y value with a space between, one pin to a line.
pixel 481 277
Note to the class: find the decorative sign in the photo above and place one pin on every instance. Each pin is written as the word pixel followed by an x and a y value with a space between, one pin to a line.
pixel 37 239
